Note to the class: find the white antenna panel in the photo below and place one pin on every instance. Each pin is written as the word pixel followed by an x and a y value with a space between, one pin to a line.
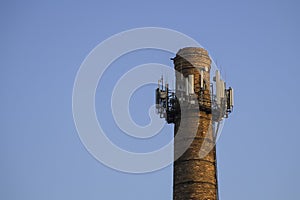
pixel 222 92
pixel 180 83
pixel 202 79
pixel 231 98
pixel 186 85
pixel 191 83
pixel 219 87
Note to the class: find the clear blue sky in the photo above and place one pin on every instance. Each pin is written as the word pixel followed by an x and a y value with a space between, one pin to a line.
pixel 42 44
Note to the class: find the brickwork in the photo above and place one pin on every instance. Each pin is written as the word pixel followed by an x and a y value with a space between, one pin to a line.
pixel 195 175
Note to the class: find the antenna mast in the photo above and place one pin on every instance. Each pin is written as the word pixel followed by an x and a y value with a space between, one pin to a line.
pixel 195 172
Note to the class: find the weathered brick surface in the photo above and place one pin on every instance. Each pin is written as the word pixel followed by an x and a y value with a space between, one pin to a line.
pixel 195 174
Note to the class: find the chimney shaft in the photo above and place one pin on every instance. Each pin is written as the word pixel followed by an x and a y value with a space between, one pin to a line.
pixel 195 171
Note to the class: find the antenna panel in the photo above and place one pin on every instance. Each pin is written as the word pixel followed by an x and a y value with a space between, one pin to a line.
pixel 202 79
pixel 191 83
pixel 219 87
pixel 187 86
pixel 231 97
pixel 157 98
pixel 222 92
